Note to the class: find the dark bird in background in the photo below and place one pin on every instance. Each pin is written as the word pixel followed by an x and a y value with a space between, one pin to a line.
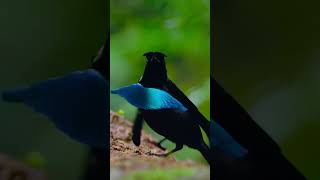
pixel 264 160
pixel 98 158
pixel 165 108
pixel 77 104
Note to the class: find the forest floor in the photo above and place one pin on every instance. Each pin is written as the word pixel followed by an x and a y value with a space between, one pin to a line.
pixel 129 162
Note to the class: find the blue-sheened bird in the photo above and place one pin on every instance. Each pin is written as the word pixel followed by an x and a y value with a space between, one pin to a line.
pixel 77 103
pixel 155 76
pixel 154 100
pixel 167 116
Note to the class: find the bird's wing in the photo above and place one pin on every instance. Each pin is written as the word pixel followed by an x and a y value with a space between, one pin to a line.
pixel 221 139
pixel 178 94
pixel 148 98
pixel 181 97
pixel 77 103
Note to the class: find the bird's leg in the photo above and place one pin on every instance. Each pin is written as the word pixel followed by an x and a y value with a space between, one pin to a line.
pixel 136 130
pixel 161 141
pixel 158 144
pixel 177 148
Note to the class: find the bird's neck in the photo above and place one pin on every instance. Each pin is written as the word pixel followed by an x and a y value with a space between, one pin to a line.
pixel 154 76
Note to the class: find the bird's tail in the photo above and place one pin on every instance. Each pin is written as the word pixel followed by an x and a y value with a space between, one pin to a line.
pixel 205 151
pixel 13 95
pixel 204 123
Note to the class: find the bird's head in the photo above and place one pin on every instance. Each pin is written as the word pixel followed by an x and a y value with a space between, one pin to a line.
pixel 155 57
pixel 155 72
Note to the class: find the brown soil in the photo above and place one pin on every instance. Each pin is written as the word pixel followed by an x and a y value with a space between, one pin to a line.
pixel 127 157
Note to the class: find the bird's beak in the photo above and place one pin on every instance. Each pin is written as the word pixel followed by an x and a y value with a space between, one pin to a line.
pixel 155 59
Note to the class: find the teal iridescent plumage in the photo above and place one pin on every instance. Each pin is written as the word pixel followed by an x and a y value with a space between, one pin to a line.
pixel 148 98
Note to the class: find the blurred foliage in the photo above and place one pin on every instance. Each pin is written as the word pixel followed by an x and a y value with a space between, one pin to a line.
pixel 35 160
pixel 267 56
pixel 180 29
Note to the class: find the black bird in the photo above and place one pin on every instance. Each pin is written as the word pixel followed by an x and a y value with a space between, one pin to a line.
pixel 180 127
pixel 264 159
pixel 155 76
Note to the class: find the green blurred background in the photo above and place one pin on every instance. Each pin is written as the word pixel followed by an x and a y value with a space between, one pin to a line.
pixel 38 40
pixel 267 55
pixel 181 30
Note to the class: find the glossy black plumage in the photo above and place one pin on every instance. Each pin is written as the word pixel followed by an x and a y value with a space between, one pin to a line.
pixel 155 76
pixel 179 127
